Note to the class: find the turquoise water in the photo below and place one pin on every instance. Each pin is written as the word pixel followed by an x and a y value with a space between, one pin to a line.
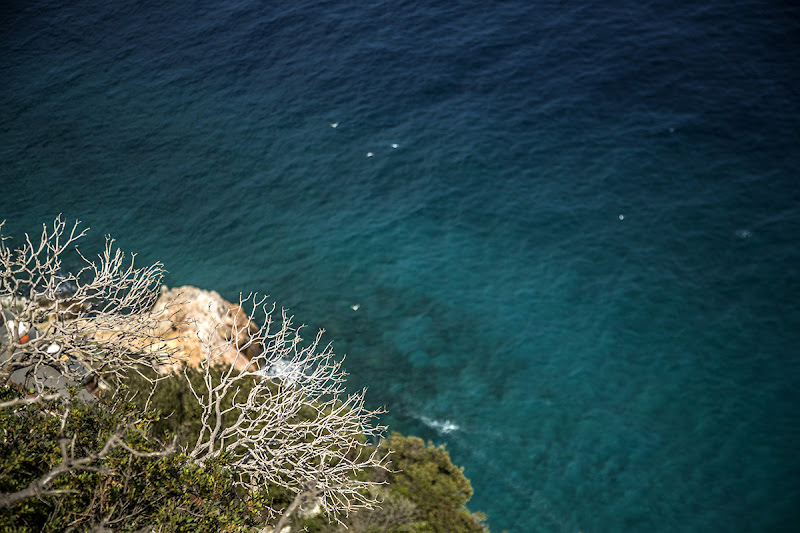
pixel 578 266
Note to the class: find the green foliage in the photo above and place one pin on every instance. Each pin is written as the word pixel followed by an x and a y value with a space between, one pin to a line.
pixel 105 464
pixel 173 401
pixel 425 493
pixel 123 492
pixel 395 514
pixel 426 476
pixel 179 413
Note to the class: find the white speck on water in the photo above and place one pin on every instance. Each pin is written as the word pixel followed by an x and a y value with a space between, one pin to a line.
pixel 370 154
pixel 394 145
pixel 621 216
pixel 334 125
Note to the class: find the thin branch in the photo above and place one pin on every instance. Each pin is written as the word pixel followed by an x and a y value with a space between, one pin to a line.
pixel 83 329
pixel 62 329
pixel 69 463
pixel 28 401
pixel 284 417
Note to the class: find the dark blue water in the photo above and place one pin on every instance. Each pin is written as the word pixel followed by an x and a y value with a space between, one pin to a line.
pixel 578 266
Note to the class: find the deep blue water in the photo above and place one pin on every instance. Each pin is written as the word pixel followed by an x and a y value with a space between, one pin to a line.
pixel 578 267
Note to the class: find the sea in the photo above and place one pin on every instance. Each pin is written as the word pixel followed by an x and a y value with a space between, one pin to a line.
pixel 561 238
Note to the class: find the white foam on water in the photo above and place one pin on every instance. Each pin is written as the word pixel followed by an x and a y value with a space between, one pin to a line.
pixel 284 370
pixel 442 426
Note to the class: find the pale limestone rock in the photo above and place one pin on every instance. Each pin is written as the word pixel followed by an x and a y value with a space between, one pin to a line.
pixel 188 317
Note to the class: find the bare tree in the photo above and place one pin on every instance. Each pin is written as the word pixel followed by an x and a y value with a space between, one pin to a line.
pixel 284 417
pixel 67 328
pixel 278 411
pixel 62 330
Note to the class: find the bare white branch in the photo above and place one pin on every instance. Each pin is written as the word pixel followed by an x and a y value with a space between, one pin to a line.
pixel 62 328
pixel 273 403
pixel 27 401
pixel 284 417
pixel 79 326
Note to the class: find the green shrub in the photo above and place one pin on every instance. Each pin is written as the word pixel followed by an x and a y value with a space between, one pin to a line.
pixel 426 476
pixel 122 492
pixel 424 493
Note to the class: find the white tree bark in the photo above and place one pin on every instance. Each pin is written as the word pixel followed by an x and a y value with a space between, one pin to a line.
pixel 59 328
pixel 284 418
pixel 62 329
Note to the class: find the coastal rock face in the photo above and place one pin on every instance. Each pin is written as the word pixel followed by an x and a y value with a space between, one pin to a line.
pixel 185 321
pixel 191 320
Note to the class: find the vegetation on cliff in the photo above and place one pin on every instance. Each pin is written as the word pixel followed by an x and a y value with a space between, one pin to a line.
pixel 107 428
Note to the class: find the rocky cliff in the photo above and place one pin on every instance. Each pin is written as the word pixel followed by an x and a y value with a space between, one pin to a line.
pixel 191 319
